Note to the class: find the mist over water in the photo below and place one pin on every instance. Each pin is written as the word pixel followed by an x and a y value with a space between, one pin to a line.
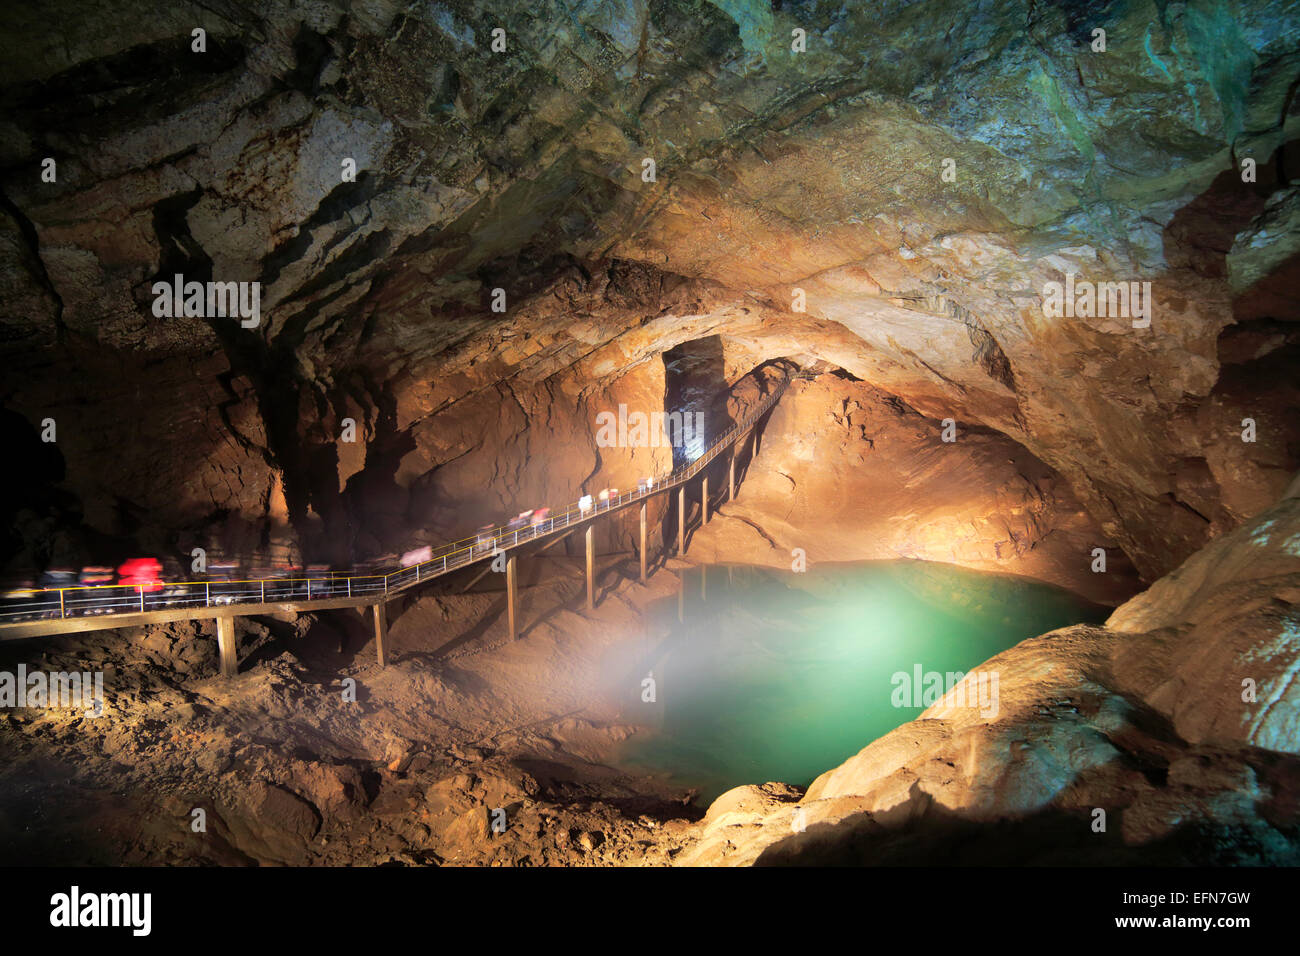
pixel 782 676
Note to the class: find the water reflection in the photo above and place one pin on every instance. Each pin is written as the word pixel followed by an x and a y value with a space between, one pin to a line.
pixel 781 676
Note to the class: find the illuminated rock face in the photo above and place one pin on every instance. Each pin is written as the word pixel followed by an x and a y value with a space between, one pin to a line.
pixel 462 255
pixel 915 189
pixel 1179 720
pixel 849 473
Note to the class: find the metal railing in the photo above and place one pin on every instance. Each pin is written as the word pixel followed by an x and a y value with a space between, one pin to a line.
pixel 35 604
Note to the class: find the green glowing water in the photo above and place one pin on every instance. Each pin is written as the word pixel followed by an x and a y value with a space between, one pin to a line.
pixel 784 676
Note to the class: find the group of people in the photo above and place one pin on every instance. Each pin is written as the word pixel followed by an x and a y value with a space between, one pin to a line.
pixel 93 589
pixel 490 536
pixel 99 589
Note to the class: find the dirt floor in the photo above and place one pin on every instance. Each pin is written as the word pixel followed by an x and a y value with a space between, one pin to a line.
pixel 316 755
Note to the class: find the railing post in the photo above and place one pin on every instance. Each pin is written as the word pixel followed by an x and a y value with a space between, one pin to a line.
pixel 732 437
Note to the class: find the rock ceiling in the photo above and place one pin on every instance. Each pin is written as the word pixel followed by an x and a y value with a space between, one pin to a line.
pixel 920 173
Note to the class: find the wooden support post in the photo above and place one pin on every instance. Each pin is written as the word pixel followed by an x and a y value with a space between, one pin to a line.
pixel 731 475
pixel 704 500
pixel 591 569
pixel 681 520
pixel 226 645
pixel 643 542
pixel 510 596
pixel 381 633
pixel 753 444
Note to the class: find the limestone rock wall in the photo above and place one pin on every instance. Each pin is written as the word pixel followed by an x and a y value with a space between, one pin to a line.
pixel 849 473
pixel 523 170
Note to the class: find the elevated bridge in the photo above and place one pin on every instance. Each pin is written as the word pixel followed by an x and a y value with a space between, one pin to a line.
pixel 99 607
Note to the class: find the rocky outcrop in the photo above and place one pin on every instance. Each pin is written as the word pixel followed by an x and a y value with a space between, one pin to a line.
pixel 468 749
pixel 918 194
pixel 468 245
pixel 1170 735
pixel 849 473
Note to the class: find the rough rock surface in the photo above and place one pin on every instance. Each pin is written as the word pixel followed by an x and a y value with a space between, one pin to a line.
pixel 800 215
pixel 522 170
pixel 848 473
pixel 410 769
pixel 1178 720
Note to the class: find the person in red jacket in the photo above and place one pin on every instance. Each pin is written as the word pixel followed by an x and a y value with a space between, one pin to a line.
pixel 141 573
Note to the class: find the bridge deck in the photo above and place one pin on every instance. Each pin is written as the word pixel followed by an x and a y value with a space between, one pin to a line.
pixel 78 609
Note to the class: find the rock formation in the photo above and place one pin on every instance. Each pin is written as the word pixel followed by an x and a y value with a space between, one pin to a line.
pixel 475 226
pixel 523 170
pixel 1177 720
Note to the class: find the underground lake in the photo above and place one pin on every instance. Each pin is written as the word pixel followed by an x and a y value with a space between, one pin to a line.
pixel 780 676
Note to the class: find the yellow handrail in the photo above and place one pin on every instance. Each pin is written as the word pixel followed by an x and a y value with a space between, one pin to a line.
pixel 461 546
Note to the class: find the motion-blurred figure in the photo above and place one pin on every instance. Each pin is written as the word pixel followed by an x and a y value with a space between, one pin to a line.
pixel 143 573
pixel 418 556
